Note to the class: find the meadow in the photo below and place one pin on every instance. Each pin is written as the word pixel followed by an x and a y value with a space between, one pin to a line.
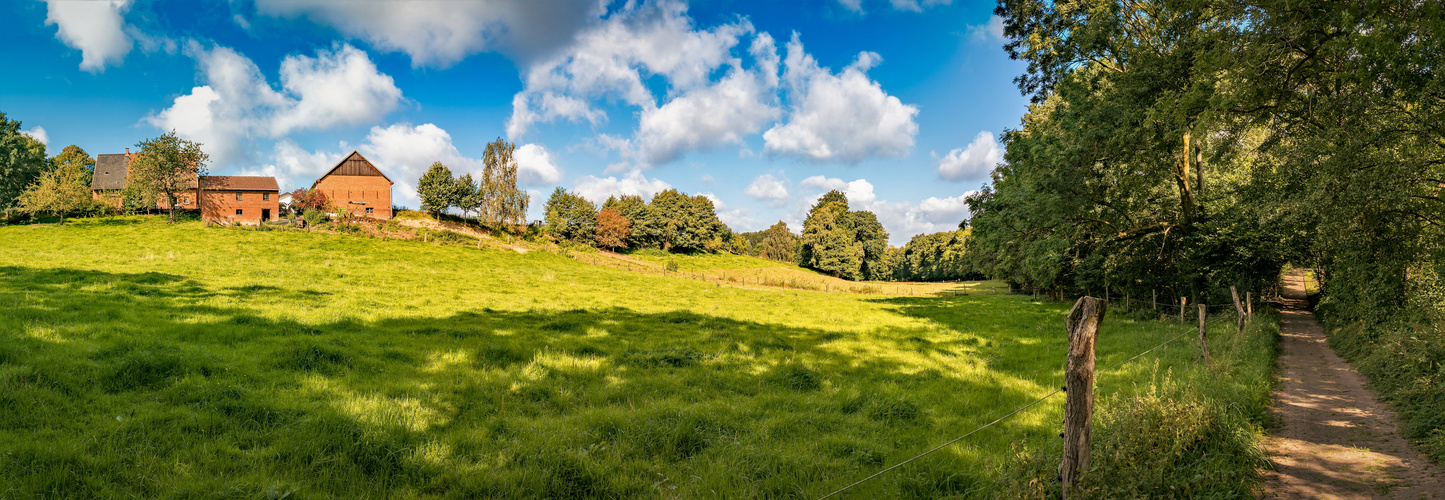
pixel 142 359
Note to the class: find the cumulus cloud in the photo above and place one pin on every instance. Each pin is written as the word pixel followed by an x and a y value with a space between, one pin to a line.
pixel 767 187
pixel 405 152
pixel 858 191
pixel 535 166
pixel 839 117
pixel 236 105
pixel 293 166
pixel 634 183
pixel 96 28
pixel 992 31
pixel 439 34
pixel 738 219
pixel 973 161
pixel 38 133
pixel 908 5
pixel 612 59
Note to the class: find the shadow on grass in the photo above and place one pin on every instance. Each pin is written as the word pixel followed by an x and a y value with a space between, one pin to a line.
pixel 142 388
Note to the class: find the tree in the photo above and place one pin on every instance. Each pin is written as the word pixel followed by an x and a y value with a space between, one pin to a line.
pixel 829 242
pixel 73 154
pixel 779 243
pixel 60 190
pixel 612 229
pixel 169 165
pixel 22 159
pixel 646 228
pixel 468 196
pixel 872 239
pixel 308 199
pixel 570 217
pixel 504 201
pixel 436 189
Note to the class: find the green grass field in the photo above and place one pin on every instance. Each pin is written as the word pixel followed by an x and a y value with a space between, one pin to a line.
pixel 140 359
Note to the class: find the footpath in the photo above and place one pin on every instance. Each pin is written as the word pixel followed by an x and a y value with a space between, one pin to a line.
pixel 1333 438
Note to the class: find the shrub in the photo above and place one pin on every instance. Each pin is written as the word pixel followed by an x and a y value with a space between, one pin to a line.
pixel 313 217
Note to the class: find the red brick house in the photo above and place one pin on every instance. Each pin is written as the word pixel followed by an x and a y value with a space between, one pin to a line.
pixel 357 187
pixel 235 198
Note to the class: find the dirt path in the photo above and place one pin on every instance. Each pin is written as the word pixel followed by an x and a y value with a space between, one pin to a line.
pixel 1334 439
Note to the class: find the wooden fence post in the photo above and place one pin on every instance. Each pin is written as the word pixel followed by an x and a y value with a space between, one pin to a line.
pixel 1249 305
pixel 1182 300
pixel 1154 300
pixel 1238 309
pixel 1203 340
pixel 1083 326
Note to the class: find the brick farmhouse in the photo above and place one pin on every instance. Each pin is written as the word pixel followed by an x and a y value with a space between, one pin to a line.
pixel 242 199
pixel 355 186
pixel 112 172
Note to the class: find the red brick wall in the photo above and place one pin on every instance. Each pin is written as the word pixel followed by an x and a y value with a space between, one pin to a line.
pixel 184 199
pixel 221 206
pixel 373 191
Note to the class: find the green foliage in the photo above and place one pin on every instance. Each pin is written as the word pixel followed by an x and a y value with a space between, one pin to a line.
pixel 468 195
pixel 646 227
pixel 776 242
pixel 168 166
pixel 933 257
pixel 687 223
pixel 74 155
pixel 502 200
pixel 829 241
pixel 63 189
pixel 437 189
pixel 570 216
pixel 313 217
pixel 22 159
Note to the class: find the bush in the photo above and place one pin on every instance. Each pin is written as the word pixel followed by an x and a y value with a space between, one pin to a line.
pixel 313 217
pixel 672 266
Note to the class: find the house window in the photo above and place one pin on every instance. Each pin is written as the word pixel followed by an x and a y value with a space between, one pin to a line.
pixel 265 196
pixel 238 196
pixel 370 211
pixel 238 211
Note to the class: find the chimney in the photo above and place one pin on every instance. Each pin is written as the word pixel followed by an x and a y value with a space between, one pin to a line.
pixel 127 151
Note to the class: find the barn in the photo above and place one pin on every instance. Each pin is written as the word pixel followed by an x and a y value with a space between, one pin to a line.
pixel 112 174
pixel 357 187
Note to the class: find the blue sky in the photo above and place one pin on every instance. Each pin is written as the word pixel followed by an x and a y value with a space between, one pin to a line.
pixel 761 105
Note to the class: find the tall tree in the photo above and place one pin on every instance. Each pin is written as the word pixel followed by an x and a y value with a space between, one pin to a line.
pixel 169 165
pixel 612 229
pixel 505 202
pixel 468 196
pixel 779 244
pixel 22 159
pixel 73 154
pixel 829 242
pixel 437 189
pixel 872 239
pixel 570 217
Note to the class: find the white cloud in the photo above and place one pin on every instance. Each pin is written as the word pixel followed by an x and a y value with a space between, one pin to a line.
pixel 405 152
pixel 845 117
pixel 598 189
pixel 439 34
pixel 990 31
pixel 738 219
pixel 853 5
pixel 767 187
pixel 612 59
pixel 974 161
pixel 96 28
pixel 915 5
pixel 858 191
pixel 535 166
pixel 235 105
pixel 241 21
pixel 38 133
pixel 294 167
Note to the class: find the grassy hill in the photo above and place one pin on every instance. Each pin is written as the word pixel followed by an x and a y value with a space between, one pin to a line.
pixel 144 359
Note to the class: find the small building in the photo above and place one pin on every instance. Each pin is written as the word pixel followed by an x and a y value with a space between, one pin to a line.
pixel 112 174
pixel 356 187
pixel 235 198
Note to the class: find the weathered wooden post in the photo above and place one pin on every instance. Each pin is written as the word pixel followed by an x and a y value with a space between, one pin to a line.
pixel 1249 305
pixel 1203 340
pixel 1083 326
pixel 1182 300
pixel 1238 309
pixel 1154 300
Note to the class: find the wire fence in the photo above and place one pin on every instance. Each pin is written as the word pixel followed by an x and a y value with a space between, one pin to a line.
pixel 1016 411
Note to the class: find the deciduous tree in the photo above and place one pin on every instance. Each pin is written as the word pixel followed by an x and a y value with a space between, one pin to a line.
pixel 22 159
pixel 612 229
pixel 169 165
pixel 437 189
pixel 63 189
pixel 570 217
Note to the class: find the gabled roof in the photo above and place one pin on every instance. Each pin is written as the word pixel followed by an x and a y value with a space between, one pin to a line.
pixel 354 165
pixel 109 172
pixel 239 183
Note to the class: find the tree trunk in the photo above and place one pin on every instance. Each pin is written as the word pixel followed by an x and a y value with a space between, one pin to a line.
pixel 1181 177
